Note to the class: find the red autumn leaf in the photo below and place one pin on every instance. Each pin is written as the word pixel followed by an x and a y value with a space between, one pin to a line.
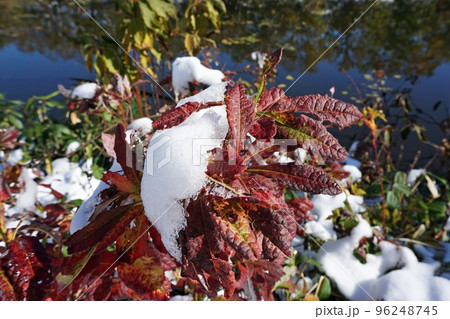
pixel 330 109
pixel 301 177
pixel 264 274
pixel 6 289
pixel 28 268
pixel 301 208
pixel 145 275
pixel 8 138
pixel 108 144
pixel 278 228
pixel 4 195
pixel 224 164
pixel 313 136
pixel 126 157
pixel 202 244
pixel 274 60
pixel 263 128
pixel 240 115
pixel 235 228
pixel 121 182
pixel 270 98
pixel 106 227
pixel 179 114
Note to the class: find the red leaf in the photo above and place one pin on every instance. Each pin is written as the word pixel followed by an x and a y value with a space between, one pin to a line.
pixel 301 208
pixel 226 275
pixel 278 228
pixel 6 289
pixel 106 227
pixel 126 157
pixel 313 136
pixel 274 59
pixel 263 128
pixel 121 182
pixel 270 98
pixel 331 110
pixel 301 177
pixel 28 268
pixel 4 195
pixel 224 164
pixel 179 114
pixel 145 275
pixel 240 114
pixel 108 144
pixel 235 228
pixel 8 138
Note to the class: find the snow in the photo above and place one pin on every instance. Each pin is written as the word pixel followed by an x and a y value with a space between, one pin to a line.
pixel 144 124
pixel 259 57
pixel 190 69
pixel 323 208
pixel 300 154
pixel 15 156
pixel 175 169
pixel 215 93
pixel 414 174
pixel 26 201
pixel 355 173
pixel 72 147
pixel 85 91
pixel 69 179
pixel 395 274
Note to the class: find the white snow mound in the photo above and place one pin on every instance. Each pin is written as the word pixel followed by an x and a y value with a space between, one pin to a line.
pixel 190 69
pixel 85 91
pixel 175 170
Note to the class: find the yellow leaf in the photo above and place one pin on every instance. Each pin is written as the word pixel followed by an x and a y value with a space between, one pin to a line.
pixel 191 42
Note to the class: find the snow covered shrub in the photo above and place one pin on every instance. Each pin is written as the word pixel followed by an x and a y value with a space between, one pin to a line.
pixel 232 228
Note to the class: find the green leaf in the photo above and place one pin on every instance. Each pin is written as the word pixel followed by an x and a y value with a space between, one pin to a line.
pixel 147 14
pixel 400 178
pixel 392 200
pixel 325 289
pixel 163 9
pixel 15 121
pixel 437 209
pixel 401 189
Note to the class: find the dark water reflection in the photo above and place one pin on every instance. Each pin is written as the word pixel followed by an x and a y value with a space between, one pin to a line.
pixel 40 44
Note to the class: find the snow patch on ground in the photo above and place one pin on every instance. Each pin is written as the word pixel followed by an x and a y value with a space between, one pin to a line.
pixel 26 201
pixel 323 208
pixel 190 69
pixel 395 274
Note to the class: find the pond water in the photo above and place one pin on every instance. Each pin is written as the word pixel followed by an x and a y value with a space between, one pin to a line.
pixel 40 47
